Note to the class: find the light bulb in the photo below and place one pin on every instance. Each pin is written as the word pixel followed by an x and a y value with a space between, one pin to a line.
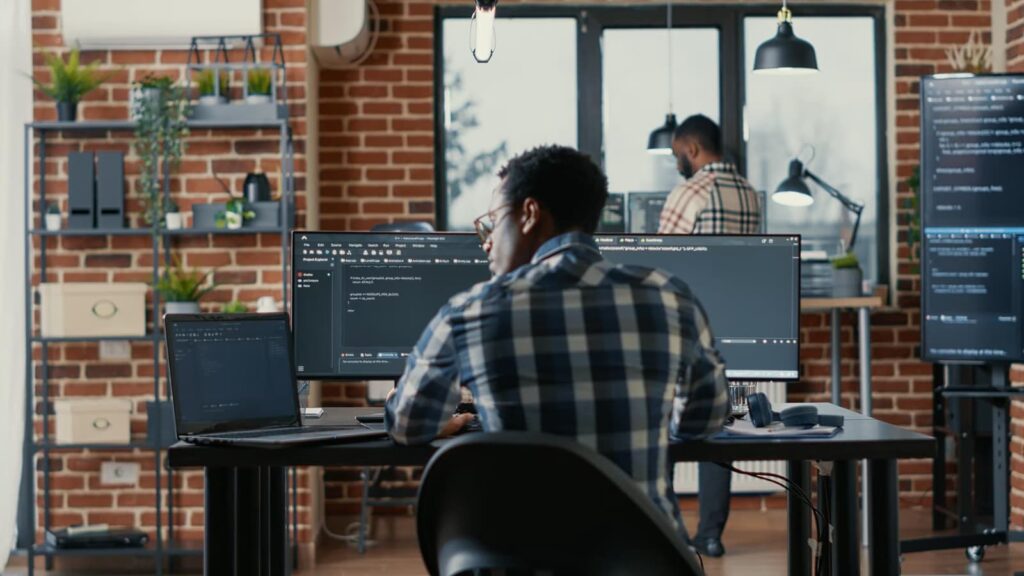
pixel 481 30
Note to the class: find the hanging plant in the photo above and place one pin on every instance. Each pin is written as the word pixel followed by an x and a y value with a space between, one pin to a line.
pixel 162 124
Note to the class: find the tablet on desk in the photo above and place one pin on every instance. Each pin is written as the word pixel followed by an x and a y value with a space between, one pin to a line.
pixel 375 418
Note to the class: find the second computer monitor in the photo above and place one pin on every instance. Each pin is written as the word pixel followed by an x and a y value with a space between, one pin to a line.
pixel 362 300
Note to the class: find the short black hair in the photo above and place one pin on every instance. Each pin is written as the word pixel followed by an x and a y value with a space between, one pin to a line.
pixel 563 180
pixel 702 129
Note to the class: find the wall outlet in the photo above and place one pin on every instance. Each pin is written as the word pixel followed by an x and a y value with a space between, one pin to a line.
pixel 119 473
pixel 115 350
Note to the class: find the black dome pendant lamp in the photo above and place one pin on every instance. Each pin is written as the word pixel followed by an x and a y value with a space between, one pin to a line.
pixel 660 140
pixel 785 53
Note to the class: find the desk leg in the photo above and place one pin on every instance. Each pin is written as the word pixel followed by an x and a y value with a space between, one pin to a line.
pixel 836 350
pixel 799 473
pixel 864 345
pixel 274 520
pixel 885 542
pixel 845 552
pixel 219 522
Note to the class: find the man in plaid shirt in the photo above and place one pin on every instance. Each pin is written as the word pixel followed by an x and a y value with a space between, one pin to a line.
pixel 714 199
pixel 562 341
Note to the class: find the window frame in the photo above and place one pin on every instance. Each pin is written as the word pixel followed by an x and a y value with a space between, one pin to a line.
pixel 591 21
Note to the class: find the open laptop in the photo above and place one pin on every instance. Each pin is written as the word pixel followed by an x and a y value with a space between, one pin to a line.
pixel 233 383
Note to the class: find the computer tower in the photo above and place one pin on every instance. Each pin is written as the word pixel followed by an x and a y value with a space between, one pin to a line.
pixel 110 189
pixel 81 191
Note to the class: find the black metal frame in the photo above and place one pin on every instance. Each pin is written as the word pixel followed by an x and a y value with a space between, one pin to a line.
pixel 161 243
pixel 592 20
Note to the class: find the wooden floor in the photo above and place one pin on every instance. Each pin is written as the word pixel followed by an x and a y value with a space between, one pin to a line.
pixel 755 543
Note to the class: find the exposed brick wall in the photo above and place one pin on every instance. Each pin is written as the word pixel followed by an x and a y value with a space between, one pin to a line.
pixel 248 266
pixel 377 139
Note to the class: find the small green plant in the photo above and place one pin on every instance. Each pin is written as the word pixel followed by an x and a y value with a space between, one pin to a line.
pixel 52 208
pixel 234 307
pixel 206 84
pixel 180 285
pixel 236 210
pixel 156 82
pixel 160 129
pixel 914 219
pixel 848 260
pixel 170 206
pixel 70 81
pixel 259 81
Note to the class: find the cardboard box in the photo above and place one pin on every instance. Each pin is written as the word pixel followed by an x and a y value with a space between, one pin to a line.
pixel 101 420
pixel 92 309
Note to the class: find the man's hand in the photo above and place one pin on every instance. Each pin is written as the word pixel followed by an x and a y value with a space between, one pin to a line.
pixel 456 423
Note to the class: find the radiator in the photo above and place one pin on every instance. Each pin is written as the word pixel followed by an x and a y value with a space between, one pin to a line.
pixel 685 476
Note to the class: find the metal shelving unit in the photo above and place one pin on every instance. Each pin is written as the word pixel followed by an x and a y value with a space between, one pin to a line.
pixel 161 548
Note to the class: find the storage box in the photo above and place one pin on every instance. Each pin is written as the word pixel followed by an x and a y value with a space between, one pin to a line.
pixel 103 421
pixel 92 309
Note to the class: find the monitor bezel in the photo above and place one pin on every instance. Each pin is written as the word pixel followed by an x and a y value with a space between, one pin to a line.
pixel 394 377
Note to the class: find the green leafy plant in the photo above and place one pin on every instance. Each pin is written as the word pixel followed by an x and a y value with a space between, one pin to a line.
pixel 234 307
pixel 52 208
pixel 156 82
pixel 259 81
pixel 177 284
pixel 70 81
pixel 160 129
pixel 235 206
pixel 914 219
pixel 170 206
pixel 207 86
pixel 848 260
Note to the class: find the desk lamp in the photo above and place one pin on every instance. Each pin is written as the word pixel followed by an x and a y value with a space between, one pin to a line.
pixel 794 192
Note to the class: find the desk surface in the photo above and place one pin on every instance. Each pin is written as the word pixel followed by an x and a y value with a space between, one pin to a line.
pixel 861 437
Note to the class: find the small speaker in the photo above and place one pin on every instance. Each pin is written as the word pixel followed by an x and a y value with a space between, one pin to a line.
pixel 81 191
pixel 110 189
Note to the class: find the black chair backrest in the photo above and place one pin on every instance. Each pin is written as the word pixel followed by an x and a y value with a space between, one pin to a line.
pixel 403 227
pixel 540 504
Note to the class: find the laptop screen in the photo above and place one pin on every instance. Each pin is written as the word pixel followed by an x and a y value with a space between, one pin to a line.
pixel 231 372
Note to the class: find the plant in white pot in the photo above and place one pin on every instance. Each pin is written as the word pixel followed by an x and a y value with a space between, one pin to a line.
pixel 52 217
pixel 236 213
pixel 212 91
pixel 846 276
pixel 259 85
pixel 172 217
pixel 182 289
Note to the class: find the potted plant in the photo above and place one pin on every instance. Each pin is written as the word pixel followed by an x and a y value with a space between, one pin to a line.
pixel 209 91
pixel 52 218
pixel 160 129
pixel 259 83
pixel 234 307
pixel 236 213
pixel 182 289
pixel 149 88
pixel 69 82
pixel 172 217
pixel 846 276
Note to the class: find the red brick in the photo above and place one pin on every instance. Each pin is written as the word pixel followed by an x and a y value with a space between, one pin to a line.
pixel 108 371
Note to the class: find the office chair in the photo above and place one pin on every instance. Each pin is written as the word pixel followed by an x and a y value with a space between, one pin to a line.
pixel 403 227
pixel 528 503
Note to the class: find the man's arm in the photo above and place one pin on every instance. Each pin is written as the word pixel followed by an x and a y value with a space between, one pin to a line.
pixel 702 395
pixel 428 393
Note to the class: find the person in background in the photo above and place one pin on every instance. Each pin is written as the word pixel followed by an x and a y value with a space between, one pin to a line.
pixel 562 341
pixel 714 199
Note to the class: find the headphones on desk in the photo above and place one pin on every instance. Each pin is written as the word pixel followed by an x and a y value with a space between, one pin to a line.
pixel 801 416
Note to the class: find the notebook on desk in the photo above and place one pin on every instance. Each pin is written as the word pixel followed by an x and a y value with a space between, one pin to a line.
pixel 233 383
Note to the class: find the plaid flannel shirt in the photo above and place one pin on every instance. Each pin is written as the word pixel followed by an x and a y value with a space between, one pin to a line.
pixel 620 358
pixel 716 200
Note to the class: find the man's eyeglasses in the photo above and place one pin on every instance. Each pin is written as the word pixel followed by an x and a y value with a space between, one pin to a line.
pixel 485 224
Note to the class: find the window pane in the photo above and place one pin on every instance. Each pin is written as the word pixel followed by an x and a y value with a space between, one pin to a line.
pixel 636 93
pixel 833 111
pixel 523 97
